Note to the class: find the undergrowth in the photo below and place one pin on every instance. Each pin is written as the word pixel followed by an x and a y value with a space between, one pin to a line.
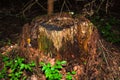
pixel 53 72
pixel 16 68
pixel 107 27
pixel 13 68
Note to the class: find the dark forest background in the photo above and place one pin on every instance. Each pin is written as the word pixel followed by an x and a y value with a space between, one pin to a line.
pixel 14 7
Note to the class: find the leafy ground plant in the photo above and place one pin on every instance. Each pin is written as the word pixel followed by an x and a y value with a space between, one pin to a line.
pixel 13 68
pixel 53 72
pixel 69 75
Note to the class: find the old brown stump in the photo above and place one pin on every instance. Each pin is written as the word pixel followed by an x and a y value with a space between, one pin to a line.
pixel 61 36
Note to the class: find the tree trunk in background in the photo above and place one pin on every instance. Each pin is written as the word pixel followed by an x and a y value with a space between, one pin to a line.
pixel 50 6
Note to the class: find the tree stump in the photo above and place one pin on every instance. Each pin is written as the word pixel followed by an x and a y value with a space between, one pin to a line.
pixel 61 35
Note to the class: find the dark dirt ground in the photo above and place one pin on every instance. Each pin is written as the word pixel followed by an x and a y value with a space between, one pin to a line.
pixel 106 66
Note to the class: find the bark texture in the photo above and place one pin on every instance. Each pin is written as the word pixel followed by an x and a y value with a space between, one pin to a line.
pixel 61 35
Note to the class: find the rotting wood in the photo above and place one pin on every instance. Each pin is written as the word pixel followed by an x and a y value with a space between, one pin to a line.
pixel 62 34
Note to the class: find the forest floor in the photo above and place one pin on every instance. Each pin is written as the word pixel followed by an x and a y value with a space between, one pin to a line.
pixel 105 67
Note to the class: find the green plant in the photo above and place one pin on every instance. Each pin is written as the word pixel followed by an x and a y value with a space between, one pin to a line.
pixel 53 72
pixel 69 75
pixel 13 68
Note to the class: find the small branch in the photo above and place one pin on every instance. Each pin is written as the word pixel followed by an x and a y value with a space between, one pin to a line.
pixel 99 6
pixel 104 53
pixel 28 6
pixel 67 6
pixel 41 5
pixel 106 58
pixel 107 6
pixel 62 7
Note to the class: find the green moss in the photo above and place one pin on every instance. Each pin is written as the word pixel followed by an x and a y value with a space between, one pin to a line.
pixel 44 43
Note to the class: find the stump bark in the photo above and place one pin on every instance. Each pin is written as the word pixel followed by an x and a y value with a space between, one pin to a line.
pixel 61 35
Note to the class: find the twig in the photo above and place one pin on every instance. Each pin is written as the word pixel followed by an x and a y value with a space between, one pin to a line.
pixel 67 5
pixel 104 53
pixel 62 7
pixel 41 5
pixel 64 4
pixel 99 6
pixel 106 58
pixel 107 6
pixel 29 5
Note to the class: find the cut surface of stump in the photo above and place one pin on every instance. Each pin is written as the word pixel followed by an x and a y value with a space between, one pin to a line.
pixel 61 34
